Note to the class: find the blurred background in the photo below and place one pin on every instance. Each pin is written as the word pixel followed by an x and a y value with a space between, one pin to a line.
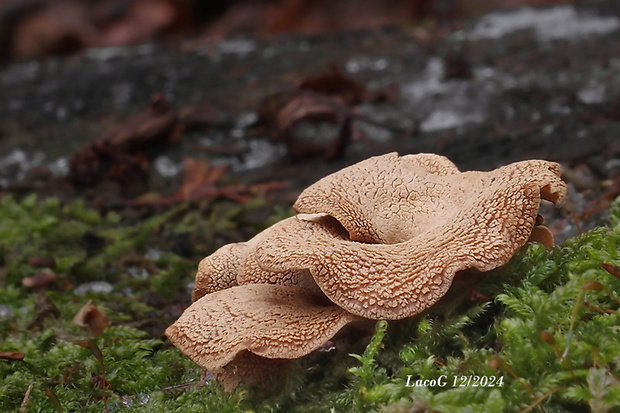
pixel 123 102
pixel 31 29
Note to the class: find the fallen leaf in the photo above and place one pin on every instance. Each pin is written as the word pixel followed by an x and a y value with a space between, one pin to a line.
pixel 144 128
pixel 12 355
pixel 143 20
pixel 90 316
pixel 200 181
pixel 334 83
pixel 612 269
pixel 58 27
pixel 301 118
pixel 203 115
pixel 119 154
pixel 198 177
pixel 284 113
pixel 39 280
pixel 42 262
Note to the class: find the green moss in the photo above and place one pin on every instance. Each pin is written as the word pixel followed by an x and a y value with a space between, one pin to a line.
pixel 546 333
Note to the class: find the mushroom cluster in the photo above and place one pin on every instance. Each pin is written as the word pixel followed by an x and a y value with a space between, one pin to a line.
pixel 382 239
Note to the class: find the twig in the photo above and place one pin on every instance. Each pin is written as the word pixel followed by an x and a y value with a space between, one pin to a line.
pixel 23 408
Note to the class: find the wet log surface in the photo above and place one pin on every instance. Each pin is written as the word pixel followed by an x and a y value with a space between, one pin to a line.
pixel 530 83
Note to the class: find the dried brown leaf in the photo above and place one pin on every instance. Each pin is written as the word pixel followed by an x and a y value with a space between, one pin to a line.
pixel 284 113
pixel 42 262
pixel 612 269
pixel 39 280
pixel 12 355
pixel 334 83
pixel 118 154
pixel 90 316
pixel 200 181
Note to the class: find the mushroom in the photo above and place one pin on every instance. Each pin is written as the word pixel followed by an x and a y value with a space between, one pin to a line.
pixel 382 239
pixel 382 199
pixel 450 221
pixel 219 270
pixel 269 321
pixel 389 199
pixel 541 234
pixel 235 264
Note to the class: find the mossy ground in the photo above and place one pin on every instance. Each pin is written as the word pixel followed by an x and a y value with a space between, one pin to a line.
pixel 547 324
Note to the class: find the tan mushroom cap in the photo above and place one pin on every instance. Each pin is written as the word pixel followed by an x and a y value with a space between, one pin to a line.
pixel 469 220
pixel 219 270
pixel 271 321
pixel 235 264
pixel 542 235
pixel 389 199
pixel 252 273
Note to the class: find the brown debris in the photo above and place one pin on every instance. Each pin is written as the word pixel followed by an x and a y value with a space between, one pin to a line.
pixel 282 113
pixel 150 125
pixel 329 98
pixel 39 280
pixel 200 181
pixel 118 155
pixel 36 29
pixel 334 83
pixel 42 262
pixel 12 355
pixel 59 27
pixel 123 153
pixel 612 269
pixel 92 317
